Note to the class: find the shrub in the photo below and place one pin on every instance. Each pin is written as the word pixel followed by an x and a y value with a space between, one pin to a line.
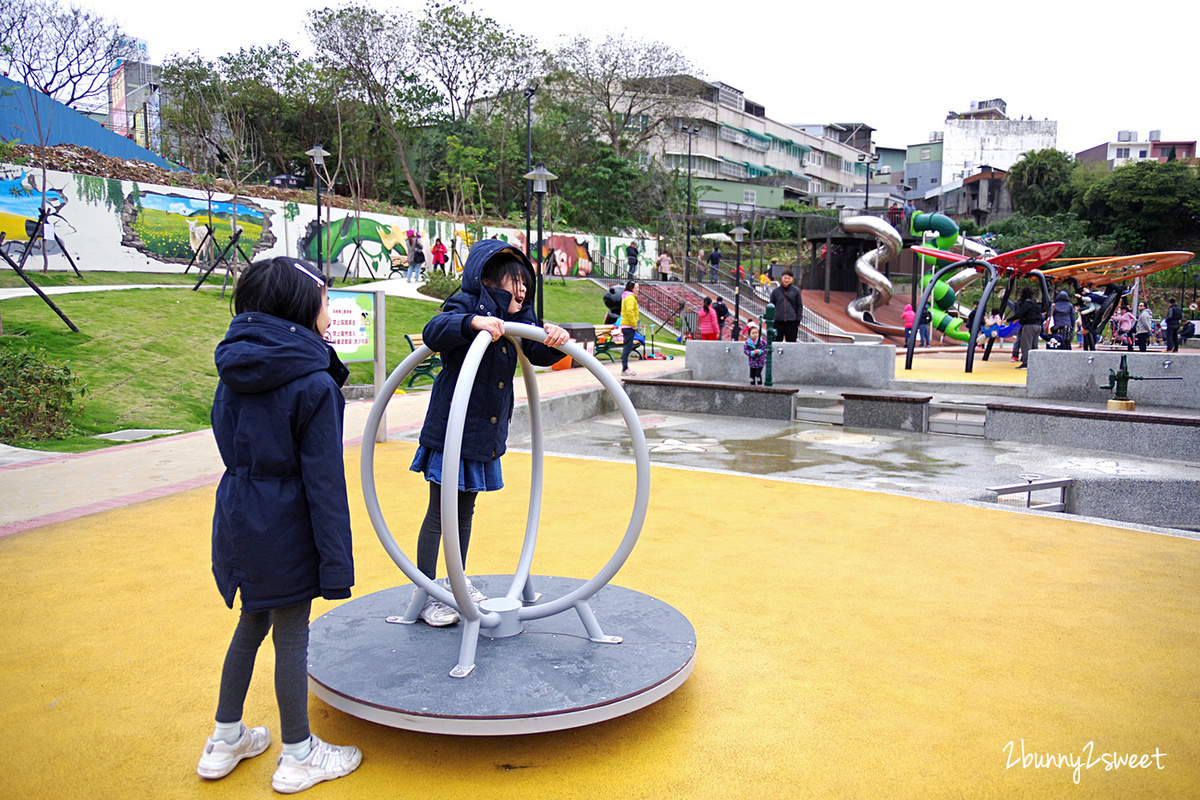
pixel 438 284
pixel 35 396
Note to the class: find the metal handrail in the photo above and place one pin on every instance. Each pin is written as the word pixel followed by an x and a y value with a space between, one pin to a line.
pixel 1032 485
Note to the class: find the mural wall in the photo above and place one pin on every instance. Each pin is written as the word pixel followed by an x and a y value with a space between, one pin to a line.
pixel 109 224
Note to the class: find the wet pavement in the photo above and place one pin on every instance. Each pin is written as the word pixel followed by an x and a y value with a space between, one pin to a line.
pixel 955 468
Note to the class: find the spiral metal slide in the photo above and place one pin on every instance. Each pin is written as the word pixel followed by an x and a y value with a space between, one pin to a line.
pixel 861 309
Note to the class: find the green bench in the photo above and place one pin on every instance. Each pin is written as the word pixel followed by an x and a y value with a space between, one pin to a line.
pixel 429 366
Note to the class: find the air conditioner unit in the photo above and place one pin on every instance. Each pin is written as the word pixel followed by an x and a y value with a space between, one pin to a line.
pixel 1123 136
pixel 1156 136
pixel 884 170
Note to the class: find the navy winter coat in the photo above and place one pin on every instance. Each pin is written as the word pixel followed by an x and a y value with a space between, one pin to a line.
pixel 281 529
pixel 485 434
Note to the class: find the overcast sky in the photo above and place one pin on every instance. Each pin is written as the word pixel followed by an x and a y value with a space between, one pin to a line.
pixel 1095 68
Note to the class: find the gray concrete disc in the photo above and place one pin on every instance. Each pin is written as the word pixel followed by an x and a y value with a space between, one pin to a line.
pixel 549 677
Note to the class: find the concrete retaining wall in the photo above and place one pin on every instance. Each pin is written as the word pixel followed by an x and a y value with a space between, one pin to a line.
pixel 1077 375
pixel 563 409
pixel 1137 433
pixel 899 412
pixel 1166 503
pixel 795 363
pixel 758 402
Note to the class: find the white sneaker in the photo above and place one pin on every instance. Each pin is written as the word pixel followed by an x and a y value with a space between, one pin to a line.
pixel 475 595
pixel 438 614
pixel 324 763
pixel 219 757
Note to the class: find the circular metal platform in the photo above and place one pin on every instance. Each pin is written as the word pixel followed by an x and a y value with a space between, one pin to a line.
pixel 548 677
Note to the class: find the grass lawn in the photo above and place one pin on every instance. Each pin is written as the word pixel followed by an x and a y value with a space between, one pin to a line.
pixel 146 355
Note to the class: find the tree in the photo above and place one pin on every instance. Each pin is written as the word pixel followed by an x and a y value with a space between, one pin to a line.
pixel 629 89
pixel 1040 183
pixel 376 55
pixel 1147 206
pixel 66 53
pixel 1025 231
pixel 472 56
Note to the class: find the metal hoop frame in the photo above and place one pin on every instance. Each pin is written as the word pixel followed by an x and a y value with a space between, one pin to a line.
pixel 474 618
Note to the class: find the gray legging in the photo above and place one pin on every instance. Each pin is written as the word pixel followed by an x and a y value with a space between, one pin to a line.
pixel 429 539
pixel 291 667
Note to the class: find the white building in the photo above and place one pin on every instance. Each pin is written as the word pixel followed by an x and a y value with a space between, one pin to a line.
pixel 986 136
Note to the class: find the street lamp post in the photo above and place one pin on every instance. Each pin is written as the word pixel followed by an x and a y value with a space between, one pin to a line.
pixel 868 159
pixel 317 154
pixel 540 177
pixel 738 233
pixel 530 89
pixel 689 131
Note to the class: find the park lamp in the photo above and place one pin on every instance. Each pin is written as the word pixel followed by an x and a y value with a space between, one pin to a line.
pixel 540 177
pixel 738 233
pixel 317 154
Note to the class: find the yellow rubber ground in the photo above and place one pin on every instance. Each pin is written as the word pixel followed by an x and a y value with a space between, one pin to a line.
pixel 951 367
pixel 851 644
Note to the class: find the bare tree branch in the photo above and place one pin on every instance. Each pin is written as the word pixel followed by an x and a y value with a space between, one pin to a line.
pixel 66 53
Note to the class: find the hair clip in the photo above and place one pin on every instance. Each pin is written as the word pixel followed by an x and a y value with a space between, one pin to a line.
pixel 300 266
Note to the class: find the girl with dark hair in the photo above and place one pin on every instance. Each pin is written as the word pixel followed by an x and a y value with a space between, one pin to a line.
pixel 496 288
pixel 281 528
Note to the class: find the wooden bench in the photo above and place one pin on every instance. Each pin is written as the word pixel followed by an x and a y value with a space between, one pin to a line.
pixel 429 366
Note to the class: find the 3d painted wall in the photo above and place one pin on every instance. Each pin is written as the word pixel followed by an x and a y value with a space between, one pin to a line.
pixel 109 224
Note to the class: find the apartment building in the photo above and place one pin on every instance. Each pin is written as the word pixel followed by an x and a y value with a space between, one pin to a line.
pixel 736 147
pixel 1128 148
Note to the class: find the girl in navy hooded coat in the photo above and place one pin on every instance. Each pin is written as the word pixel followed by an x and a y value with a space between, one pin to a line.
pixel 281 529
pixel 496 288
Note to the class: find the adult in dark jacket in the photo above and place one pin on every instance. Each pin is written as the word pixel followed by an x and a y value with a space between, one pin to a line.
pixel 1090 315
pixel 722 315
pixel 281 528
pixel 1062 319
pixel 496 288
pixel 714 263
pixel 1028 312
pixel 789 308
pixel 1174 319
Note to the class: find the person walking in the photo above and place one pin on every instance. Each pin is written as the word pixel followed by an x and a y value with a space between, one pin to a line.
pixel 664 266
pixel 630 316
pixel 281 526
pixel 438 253
pixel 1028 312
pixel 909 316
pixel 631 257
pixel 1174 319
pixel 1144 327
pixel 923 326
pixel 416 262
pixel 714 263
pixel 789 307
